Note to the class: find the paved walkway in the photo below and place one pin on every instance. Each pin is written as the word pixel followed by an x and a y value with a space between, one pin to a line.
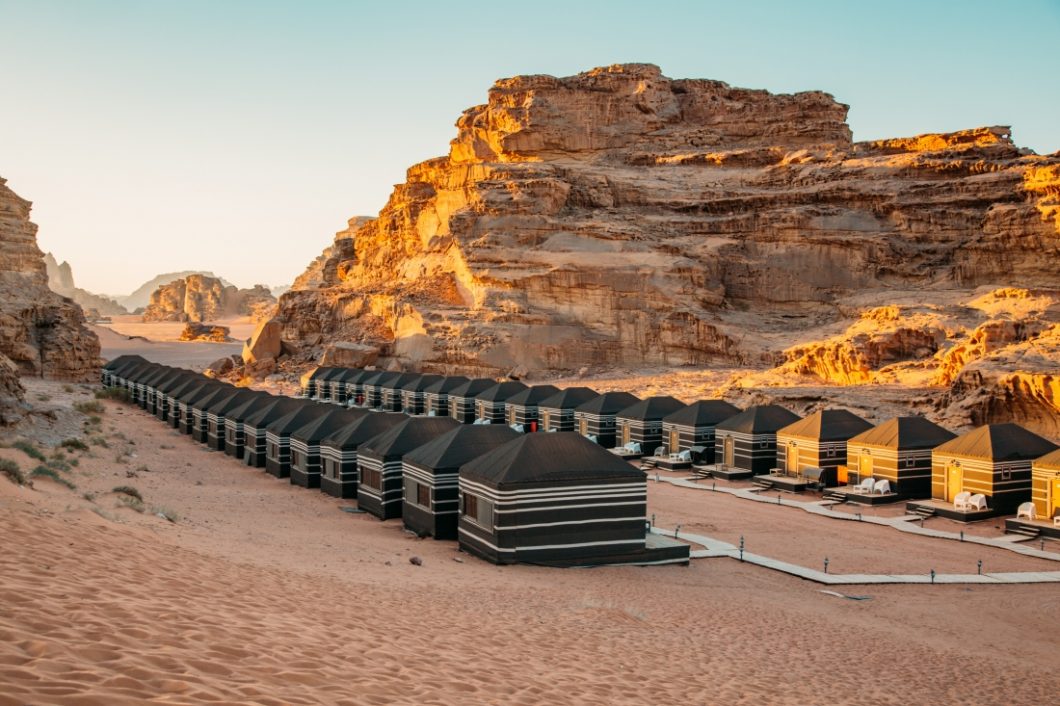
pixel 713 548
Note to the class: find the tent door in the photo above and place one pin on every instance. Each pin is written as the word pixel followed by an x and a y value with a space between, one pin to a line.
pixel 728 453
pixel 954 481
pixel 583 426
pixel 791 458
pixel 864 467
pixel 1054 497
pixel 675 441
pixel 625 434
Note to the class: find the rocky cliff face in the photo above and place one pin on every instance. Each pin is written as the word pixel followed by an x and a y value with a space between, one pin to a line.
pixel 203 298
pixel 41 333
pixel 61 281
pixel 621 218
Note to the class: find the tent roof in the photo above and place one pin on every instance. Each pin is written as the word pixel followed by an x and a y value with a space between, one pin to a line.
pixel 298 418
pixel 904 433
pixel 379 378
pixel 1050 461
pixel 363 429
pixel 174 381
pixel 472 387
pixel 421 383
pixel 222 393
pixel 335 420
pixel 651 408
pixel 443 386
pixel 243 394
pixel 558 458
pixel 998 442
pixel 827 425
pixel 533 395
pixel 138 371
pixel 608 403
pixel 704 413
pixel 124 360
pixel 501 391
pixel 349 375
pixel 160 372
pixel 400 380
pixel 569 398
pixel 197 390
pixel 456 447
pixel 186 385
pixel 761 419
pixel 406 436
pixel 328 374
pixel 278 407
pixel 250 407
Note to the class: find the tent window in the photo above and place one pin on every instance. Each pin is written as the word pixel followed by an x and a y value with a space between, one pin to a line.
pixel 423 495
pixel 371 478
pixel 1006 474
pixel 478 510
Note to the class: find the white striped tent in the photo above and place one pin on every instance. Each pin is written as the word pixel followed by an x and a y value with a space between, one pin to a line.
pixel 746 444
pixel 235 439
pixel 489 404
pixel 436 396
pixel 340 384
pixel 392 391
pixel 110 372
pixel 189 403
pixel 596 418
pixel 164 390
pixel 278 436
pixel 373 388
pixel 353 394
pixel 557 412
pixel 693 426
pixel 430 502
pixel 521 409
pixel 306 463
pixel 338 452
pixel 200 411
pixel 216 416
pixel 177 393
pixel 413 394
pixel 255 428
pixel 462 399
pixel 898 451
pixel 818 441
pixel 555 499
pixel 379 463
pixel 641 422
pixel 993 460
pixel 323 377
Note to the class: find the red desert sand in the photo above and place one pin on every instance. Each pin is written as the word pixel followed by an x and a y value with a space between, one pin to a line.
pixel 264 593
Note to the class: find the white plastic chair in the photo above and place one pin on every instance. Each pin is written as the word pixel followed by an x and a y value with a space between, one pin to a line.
pixel 961 500
pixel 977 502
pixel 865 486
pixel 1025 511
pixel 882 487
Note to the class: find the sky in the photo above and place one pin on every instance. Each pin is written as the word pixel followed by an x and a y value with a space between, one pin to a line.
pixel 238 137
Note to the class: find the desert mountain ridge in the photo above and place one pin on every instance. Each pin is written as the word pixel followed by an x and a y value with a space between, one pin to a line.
pixel 61 281
pixel 620 219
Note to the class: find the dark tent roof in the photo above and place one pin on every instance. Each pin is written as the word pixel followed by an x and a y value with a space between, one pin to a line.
pixel 348 375
pixel 458 446
pixel 827 425
pixel 298 418
pixel 472 388
pixel 533 395
pixel 400 380
pixel 276 408
pixel 704 413
pixel 197 390
pixel 608 403
pixel 501 391
pixel 379 378
pixel 139 371
pixel 159 373
pixel 761 419
pixel 363 429
pixel 558 458
pixel 243 394
pixel 1050 461
pixel 446 384
pixel 321 371
pixel 410 434
pixel 421 383
pixel 250 407
pixel 186 385
pixel 904 433
pixel 652 408
pixel 175 381
pixel 124 360
pixel 335 420
pixel 330 374
pixel 569 398
pixel 222 393
pixel 998 442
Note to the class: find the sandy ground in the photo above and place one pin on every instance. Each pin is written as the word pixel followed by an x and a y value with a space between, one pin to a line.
pixel 263 593
pixel 157 343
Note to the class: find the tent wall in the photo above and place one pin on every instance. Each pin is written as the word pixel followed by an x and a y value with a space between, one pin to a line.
pixel 1005 484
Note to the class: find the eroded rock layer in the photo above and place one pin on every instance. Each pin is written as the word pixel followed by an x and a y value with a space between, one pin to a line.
pixel 201 298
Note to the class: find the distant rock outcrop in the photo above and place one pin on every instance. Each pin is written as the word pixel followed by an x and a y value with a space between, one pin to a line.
pixel 205 332
pixel 41 333
pixel 61 281
pixel 201 298
pixel 141 297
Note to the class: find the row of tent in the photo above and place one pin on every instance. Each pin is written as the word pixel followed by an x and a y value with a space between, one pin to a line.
pixel 555 499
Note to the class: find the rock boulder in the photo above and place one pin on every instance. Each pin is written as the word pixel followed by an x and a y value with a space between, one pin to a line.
pixel 265 344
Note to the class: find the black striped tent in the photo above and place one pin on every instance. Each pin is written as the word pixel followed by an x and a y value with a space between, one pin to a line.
pixel 189 401
pixel 379 463
pixel 818 441
pixel 413 400
pixel 431 499
pixel 436 396
pixel 340 384
pixel 152 381
pixel 555 499
pixel 135 381
pixel 176 395
pixel 200 411
pixel 557 412
pixel 746 444
pixel 993 460
pixel 596 418
pixel 489 404
pixel 393 390
pixel 278 436
pixel 305 444
pixel 693 427
pixel 1045 486
pixel 641 422
pixel 898 451
pixel 373 388
pixel 108 373
pixel 521 409
pixel 235 438
pixel 216 416
pixel 353 395
pixel 462 399
pixel 119 374
pixel 320 383
pixel 255 427
pixel 163 394
pixel 338 452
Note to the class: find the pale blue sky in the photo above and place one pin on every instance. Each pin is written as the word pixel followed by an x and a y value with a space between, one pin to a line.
pixel 239 136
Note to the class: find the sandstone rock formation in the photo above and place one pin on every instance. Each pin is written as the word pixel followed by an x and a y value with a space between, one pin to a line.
pixel 265 344
pixel 41 333
pixel 621 218
pixel 210 333
pixel 141 296
pixel 203 298
pixel 61 281
pixel 343 354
